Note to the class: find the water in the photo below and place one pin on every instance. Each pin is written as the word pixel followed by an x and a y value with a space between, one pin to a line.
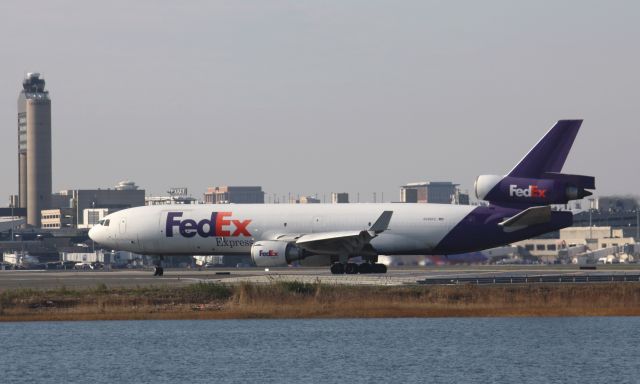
pixel 494 350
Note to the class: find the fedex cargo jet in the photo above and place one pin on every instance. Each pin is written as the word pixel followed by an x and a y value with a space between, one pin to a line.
pixel 333 234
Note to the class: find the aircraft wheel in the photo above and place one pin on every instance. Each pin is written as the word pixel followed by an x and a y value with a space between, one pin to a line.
pixel 365 268
pixel 351 269
pixel 379 268
pixel 158 271
pixel 337 269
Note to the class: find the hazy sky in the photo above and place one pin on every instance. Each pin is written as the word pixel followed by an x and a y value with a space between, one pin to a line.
pixel 319 96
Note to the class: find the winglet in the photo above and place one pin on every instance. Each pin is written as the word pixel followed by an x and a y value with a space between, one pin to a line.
pixel 382 223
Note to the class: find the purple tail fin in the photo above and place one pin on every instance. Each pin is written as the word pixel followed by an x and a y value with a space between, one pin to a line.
pixel 551 151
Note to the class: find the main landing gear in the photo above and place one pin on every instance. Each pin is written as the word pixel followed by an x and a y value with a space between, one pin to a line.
pixel 353 268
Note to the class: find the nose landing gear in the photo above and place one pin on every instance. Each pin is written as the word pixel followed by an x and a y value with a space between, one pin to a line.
pixel 157 269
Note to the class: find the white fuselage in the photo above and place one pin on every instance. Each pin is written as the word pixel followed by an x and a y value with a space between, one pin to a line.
pixel 232 229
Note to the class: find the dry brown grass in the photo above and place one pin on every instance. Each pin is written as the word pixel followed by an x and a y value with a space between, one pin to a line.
pixel 299 300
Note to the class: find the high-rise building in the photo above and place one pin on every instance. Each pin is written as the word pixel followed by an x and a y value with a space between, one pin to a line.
pixel 34 148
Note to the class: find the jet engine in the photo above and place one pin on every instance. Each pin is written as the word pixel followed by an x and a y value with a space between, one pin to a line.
pixel 552 188
pixel 275 253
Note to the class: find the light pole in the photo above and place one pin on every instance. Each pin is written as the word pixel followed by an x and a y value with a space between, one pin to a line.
pixel 590 224
pixel 11 232
pixel 77 192
pixel 637 225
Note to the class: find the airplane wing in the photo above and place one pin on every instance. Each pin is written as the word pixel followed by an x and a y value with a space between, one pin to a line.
pixel 526 218
pixel 343 242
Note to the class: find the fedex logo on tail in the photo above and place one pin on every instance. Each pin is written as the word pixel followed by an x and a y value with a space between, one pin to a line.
pixel 532 191
pixel 219 225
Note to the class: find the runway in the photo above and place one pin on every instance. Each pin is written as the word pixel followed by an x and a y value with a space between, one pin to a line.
pixel 395 276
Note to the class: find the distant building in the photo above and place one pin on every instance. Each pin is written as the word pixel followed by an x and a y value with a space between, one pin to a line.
pixel 174 196
pixel 305 200
pixel 34 148
pixel 234 195
pixel 13 212
pixel 409 194
pixel 414 192
pixel 167 200
pixel 91 216
pixel 461 198
pixel 126 185
pixel 10 224
pixel 619 212
pixel 125 195
pixel 617 204
pixel 575 205
pixel 58 218
pixel 339 198
pixel 433 192
pixel 583 239
pixel 442 192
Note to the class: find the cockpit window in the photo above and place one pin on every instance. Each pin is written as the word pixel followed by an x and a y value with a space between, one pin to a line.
pixel 101 222
pixel 106 223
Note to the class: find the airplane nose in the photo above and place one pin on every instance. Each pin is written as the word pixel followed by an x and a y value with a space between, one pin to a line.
pixel 93 234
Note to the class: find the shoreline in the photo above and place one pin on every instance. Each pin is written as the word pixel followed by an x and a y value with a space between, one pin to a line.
pixel 296 300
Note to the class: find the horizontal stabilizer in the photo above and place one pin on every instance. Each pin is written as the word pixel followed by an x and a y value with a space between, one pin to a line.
pixel 528 217
pixel 586 182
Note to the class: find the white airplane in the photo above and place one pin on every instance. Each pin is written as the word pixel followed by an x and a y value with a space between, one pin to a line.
pixel 332 234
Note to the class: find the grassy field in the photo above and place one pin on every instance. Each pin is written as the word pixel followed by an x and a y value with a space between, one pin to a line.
pixel 301 300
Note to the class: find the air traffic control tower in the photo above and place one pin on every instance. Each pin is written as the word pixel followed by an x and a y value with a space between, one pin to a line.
pixel 34 148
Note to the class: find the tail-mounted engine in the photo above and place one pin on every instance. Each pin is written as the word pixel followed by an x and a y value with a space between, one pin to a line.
pixel 552 188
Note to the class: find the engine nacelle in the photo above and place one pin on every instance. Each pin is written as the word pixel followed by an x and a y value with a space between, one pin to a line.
pixel 555 188
pixel 485 184
pixel 271 253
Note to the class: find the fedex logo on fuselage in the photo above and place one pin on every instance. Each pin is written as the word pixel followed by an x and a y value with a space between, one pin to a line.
pixel 531 191
pixel 219 225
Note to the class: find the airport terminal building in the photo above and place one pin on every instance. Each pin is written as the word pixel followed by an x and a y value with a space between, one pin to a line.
pixel 76 201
